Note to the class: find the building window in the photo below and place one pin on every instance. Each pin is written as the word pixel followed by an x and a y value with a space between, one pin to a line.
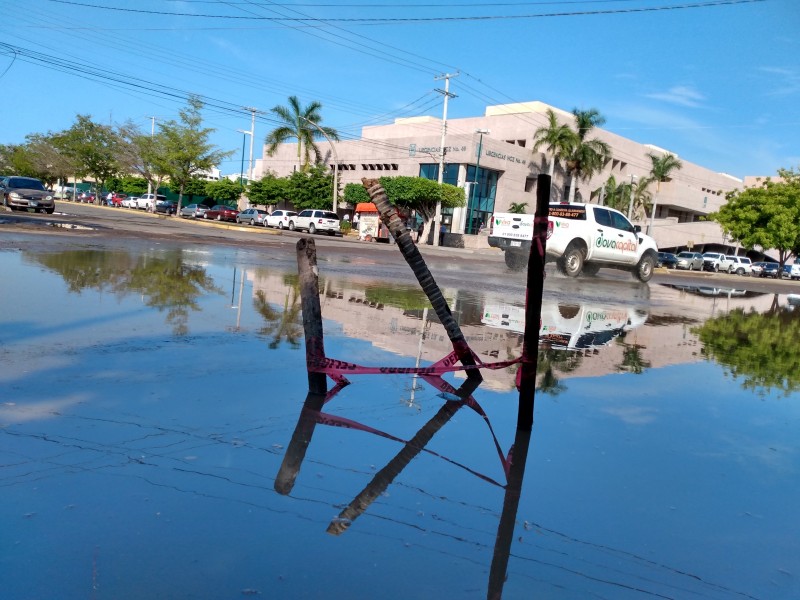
pixel 480 203
pixel 431 171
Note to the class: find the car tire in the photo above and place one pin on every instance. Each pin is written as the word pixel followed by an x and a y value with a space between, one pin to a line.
pixel 219 217
pixel 280 224
pixel 644 270
pixel 311 229
pixel 740 271
pixel 571 262
pixel 691 267
pixel 50 211
pixel 291 225
pixel 252 222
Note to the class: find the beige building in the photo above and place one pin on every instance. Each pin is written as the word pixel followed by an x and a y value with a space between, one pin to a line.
pixel 492 158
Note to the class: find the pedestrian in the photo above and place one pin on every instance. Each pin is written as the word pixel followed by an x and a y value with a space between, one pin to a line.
pixel 442 231
pixel 109 198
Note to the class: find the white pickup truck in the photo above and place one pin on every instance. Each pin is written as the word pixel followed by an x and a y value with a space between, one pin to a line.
pixel 580 238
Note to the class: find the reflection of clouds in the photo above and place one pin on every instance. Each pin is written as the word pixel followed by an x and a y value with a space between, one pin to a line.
pixel 755 454
pixel 14 414
pixel 633 415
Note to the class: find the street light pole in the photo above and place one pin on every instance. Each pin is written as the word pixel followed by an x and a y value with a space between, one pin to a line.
pixel 335 164
pixel 253 112
pixel 475 179
pixel 241 171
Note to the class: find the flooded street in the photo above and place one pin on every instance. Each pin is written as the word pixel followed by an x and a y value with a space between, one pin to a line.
pixel 150 395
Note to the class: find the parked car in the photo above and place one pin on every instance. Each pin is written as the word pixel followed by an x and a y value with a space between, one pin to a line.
pixel 740 265
pixel 116 199
pixel 167 207
pixel 131 202
pixel 690 261
pixel 254 216
pixel 221 213
pixel 714 261
pixel 757 268
pixel 87 197
pixel 667 260
pixel 194 211
pixel 148 201
pixel 279 218
pixel 770 269
pixel 791 272
pixel 26 192
pixel 314 220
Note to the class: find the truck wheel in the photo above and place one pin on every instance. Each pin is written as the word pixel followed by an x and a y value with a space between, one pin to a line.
pixel 515 260
pixel 571 262
pixel 644 270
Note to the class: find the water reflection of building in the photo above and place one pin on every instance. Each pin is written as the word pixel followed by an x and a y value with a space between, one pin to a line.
pixel 662 338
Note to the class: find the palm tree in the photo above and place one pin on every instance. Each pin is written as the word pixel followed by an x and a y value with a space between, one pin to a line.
pixel 662 167
pixel 641 197
pixel 517 208
pixel 303 125
pixel 586 156
pixel 556 137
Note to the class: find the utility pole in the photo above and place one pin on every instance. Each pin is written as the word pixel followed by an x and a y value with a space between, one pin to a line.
pixel 437 220
pixel 152 134
pixel 252 132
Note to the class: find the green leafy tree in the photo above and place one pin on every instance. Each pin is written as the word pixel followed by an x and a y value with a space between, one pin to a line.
pixel 223 191
pixel 187 151
pixel 269 190
pixel 412 193
pixel 556 137
pixel 312 188
pixel 518 208
pixel 93 148
pixel 585 156
pixel 145 155
pixel 767 216
pixel 298 123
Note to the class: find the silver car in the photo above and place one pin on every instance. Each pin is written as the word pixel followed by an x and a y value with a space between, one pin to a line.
pixel 691 261
pixel 254 216
pixel 196 211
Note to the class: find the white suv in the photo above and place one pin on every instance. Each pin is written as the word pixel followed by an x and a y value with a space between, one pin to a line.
pixel 741 265
pixel 315 220
pixel 148 201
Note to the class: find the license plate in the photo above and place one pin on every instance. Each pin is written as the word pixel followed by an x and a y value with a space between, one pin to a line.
pixel 515 244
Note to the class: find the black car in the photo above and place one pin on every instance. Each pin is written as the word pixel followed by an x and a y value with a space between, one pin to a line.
pixel 770 269
pixel 166 206
pixel 667 259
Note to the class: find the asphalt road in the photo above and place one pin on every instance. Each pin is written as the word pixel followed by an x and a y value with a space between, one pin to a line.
pixel 83 224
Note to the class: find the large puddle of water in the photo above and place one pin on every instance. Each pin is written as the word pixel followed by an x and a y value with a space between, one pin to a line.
pixel 154 442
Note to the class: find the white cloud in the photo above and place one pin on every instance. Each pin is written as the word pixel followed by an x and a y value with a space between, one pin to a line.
pixel 633 415
pixel 783 82
pixel 681 95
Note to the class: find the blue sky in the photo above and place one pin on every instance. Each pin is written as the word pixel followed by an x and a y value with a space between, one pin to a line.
pixel 715 82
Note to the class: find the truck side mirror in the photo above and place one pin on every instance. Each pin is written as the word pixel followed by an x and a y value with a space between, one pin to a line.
pixel 637 228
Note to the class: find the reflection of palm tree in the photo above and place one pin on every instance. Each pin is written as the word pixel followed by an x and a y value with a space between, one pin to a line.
pixel 286 324
pixel 632 360
pixel 550 361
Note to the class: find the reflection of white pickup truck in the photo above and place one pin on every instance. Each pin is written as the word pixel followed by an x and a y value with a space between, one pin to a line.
pixel 580 237
pixel 569 326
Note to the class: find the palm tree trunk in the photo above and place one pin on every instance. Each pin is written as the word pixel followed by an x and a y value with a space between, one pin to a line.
pixel 414 259
pixel 572 187
pixel 552 168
